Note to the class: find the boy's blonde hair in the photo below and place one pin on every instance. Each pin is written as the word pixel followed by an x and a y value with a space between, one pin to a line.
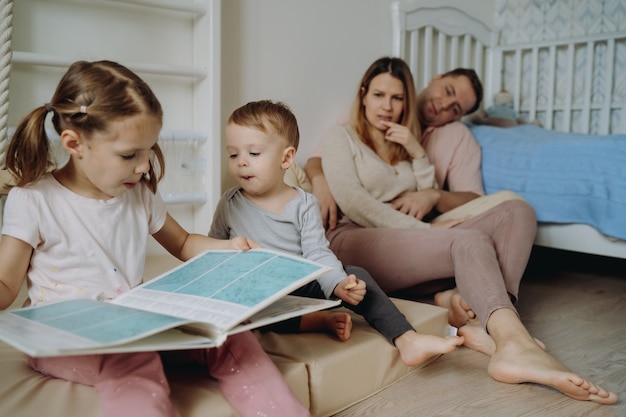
pixel 268 117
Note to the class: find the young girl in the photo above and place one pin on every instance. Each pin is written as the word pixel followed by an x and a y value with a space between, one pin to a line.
pixel 261 141
pixel 80 231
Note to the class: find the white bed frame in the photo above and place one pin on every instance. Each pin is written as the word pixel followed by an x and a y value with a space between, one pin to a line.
pixel 437 36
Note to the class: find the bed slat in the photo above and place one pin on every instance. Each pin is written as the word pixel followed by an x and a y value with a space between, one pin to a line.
pixel 517 88
pixel 428 51
pixel 532 111
pixel 441 57
pixel 624 117
pixel 467 54
pixel 413 63
pixel 454 54
pixel 586 111
pixel 478 57
pixel 567 113
pixel 605 121
pixel 549 120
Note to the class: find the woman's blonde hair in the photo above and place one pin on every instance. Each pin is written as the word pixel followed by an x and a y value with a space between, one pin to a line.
pixel 89 96
pixel 398 69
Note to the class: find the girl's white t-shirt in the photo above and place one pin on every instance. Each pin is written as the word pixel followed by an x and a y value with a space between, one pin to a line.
pixel 83 247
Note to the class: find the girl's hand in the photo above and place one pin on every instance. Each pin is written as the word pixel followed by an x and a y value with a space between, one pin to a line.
pixel 351 290
pixel 401 135
pixel 243 243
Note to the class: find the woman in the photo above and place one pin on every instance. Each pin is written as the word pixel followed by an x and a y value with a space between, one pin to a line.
pixel 377 158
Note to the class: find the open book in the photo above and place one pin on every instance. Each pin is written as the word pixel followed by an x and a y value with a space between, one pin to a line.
pixel 195 305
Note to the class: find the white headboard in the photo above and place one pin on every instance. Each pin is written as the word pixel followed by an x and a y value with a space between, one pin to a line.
pixel 436 39
pixel 570 85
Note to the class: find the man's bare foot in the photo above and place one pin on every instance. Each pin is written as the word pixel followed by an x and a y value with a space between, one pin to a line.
pixel 338 323
pixel 478 339
pixel 416 348
pixel 514 364
pixel 459 312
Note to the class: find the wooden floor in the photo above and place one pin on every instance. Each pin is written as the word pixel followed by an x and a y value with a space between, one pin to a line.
pixel 574 303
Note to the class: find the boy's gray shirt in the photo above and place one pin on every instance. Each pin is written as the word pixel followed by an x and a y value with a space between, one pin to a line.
pixel 297 231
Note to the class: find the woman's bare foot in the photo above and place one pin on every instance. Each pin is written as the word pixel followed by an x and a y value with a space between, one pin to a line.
pixel 459 312
pixel 478 339
pixel 514 364
pixel 518 358
pixel 338 323
pixel 416 348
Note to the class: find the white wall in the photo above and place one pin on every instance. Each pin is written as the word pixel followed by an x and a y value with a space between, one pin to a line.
pixel 308 53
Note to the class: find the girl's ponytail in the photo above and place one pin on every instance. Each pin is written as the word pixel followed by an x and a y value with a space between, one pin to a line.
pixel 28 155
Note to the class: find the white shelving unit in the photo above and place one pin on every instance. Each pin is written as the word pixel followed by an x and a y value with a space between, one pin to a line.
pixel 173 44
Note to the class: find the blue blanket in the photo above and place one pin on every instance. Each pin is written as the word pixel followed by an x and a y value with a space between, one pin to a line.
pixel 566 177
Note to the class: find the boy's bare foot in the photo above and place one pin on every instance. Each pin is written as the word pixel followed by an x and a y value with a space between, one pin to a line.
pixel 338 323
pixel 478 339
pixel 459 312
pixel 416 348
pixel 518 358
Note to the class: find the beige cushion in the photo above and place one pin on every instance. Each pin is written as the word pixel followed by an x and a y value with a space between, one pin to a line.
pixel 325 374
pixel 343 373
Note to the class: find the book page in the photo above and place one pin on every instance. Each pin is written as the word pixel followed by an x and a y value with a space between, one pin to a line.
pixel 78 325
pixel 287 307
pixel 223 288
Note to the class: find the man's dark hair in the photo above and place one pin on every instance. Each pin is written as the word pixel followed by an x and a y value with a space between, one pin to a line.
pixel 474 80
